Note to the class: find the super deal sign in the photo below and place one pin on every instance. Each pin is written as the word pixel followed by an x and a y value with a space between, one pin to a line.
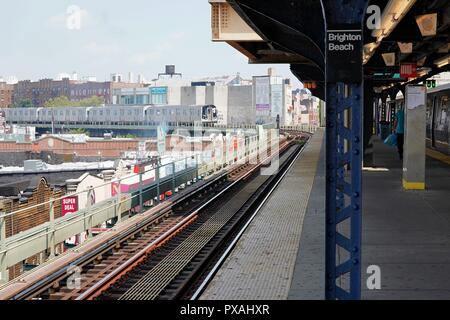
pixel 69 205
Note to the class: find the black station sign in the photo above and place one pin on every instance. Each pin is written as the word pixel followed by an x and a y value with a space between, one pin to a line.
pixel 344 52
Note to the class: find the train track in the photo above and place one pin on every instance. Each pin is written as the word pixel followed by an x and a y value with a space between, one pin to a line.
pixel 180 265
pixel 113 256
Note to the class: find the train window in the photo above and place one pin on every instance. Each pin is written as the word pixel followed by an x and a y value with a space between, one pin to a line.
pixel 444 110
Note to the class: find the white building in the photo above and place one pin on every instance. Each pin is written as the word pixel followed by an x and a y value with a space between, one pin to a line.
pixel 273 100
pixel 238 101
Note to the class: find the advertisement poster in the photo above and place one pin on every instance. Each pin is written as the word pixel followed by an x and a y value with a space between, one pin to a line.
pixel 262 93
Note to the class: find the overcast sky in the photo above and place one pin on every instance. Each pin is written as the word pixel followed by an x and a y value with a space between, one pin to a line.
pixel 140 36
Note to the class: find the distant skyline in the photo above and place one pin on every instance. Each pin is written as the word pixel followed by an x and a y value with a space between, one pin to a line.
pixel 138 36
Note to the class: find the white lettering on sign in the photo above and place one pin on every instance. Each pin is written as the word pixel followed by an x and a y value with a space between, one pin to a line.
pixel 343 37
pixel 343 41
pixel 69 205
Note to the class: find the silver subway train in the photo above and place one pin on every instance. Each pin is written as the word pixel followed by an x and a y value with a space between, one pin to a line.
pixel 113 115
pixel 437 117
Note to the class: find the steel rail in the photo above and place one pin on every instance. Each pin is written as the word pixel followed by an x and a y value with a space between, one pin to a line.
pixel 201 288
pixel 105 282
pixel 172 264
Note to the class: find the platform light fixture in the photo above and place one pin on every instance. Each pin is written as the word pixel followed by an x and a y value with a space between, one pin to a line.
pixel 391 17
pixel 423 72
pixel 442 62
pixel 394 12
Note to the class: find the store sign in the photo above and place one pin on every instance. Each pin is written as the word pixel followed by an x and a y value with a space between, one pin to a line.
pixel 344 55
pixel 158 90
pixel 69 205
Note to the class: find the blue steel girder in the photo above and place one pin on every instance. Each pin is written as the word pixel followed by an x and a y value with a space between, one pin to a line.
pixel 277 26
pixel 344 158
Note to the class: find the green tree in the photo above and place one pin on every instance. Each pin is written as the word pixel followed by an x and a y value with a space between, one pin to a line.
pixel 63 101
pixel 24 103
pixel 94 101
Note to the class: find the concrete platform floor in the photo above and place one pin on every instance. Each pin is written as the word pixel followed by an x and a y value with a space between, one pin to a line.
pixel 405 233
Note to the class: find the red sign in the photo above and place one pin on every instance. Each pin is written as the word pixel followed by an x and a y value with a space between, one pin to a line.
pixel 408 70
pixel 69 205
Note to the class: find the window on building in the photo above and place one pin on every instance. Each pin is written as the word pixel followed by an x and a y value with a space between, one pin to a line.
pixel 159 98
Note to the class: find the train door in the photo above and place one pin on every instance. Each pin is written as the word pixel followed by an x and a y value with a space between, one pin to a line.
pixel 441 124
pixel 434 102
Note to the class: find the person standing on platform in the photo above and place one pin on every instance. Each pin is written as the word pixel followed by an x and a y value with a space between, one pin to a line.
pixel 399 126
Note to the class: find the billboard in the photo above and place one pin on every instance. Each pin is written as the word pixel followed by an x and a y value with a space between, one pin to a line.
pixel 277 100
pixel 262 93
pixel 69 205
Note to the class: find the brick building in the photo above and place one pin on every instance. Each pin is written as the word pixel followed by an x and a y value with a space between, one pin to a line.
pixel 63 148
pixel 82 90
pixel 6 94
pixel 43 90
pixel 90 147
pixel 38 191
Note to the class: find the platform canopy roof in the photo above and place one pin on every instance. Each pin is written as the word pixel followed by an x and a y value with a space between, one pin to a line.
pixel 293 31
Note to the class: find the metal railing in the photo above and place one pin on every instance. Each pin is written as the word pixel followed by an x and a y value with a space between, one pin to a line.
pixel 46 236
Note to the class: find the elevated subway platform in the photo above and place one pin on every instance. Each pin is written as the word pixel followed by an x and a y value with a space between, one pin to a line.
pixel 406 233
pixel 262 264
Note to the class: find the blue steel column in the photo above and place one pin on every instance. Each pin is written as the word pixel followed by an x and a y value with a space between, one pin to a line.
pixel 344 149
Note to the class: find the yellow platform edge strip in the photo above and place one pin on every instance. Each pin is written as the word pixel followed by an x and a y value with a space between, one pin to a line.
pixel 438 156
pixel 413 185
